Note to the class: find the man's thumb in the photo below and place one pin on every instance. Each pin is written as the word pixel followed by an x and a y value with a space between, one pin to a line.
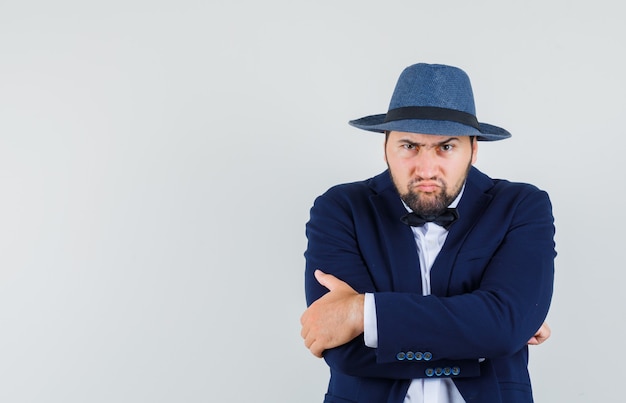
pixel 327 280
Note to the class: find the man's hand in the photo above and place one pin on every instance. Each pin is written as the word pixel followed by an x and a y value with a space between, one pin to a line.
pixel 335 318
pixel 542 335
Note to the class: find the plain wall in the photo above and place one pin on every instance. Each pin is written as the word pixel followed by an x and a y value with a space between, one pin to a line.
pixel 158 160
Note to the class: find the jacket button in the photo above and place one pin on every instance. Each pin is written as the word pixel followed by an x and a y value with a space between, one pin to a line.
pixel 456 370
pixel 400 356
pixel 429 372
pixel 419 355
pixel 410 355
pixel 438 371
pixel 428 355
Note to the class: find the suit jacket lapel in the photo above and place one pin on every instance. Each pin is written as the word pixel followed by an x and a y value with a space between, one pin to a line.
pixel 396 237
pixel 471 206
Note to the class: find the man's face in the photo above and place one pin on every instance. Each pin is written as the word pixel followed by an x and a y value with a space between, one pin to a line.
pixel 427 170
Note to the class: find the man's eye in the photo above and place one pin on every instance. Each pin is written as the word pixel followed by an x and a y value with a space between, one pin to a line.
pixel 447 147
pixel 408 146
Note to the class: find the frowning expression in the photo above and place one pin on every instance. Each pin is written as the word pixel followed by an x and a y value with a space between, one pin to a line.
pixel 429 170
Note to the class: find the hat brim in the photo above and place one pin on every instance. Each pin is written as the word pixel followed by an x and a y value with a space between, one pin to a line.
pixel 376 123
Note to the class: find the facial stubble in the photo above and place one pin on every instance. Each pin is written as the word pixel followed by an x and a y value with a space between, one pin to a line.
pixel 431 203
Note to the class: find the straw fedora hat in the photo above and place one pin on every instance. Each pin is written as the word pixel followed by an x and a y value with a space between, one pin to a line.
pixel 432 99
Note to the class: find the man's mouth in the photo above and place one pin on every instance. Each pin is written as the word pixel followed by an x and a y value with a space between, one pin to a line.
pixel 426 187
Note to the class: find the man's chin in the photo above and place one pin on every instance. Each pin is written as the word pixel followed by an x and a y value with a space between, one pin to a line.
pixel 426 204
pixel 431 199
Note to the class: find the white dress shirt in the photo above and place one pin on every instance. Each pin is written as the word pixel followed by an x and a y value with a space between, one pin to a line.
pixel 429 240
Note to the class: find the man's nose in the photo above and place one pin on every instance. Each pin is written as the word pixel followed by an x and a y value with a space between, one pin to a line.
pixel 426 164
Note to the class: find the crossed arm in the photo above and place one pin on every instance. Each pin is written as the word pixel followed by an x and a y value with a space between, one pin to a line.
pixel 337 317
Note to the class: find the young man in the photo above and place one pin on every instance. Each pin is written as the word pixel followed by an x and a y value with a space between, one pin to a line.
pixel 427 282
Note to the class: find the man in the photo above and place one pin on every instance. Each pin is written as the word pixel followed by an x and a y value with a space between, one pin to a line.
pixel 426 283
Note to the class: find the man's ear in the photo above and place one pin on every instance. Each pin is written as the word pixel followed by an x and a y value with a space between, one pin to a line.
pixel 474 149
pixel 385 146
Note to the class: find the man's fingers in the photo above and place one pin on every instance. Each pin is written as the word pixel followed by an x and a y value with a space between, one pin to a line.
pixel 308 342
pixel 315 350
pixel 304 331
pixel 312 344
pixel 542 334
pixel 327 280
pixel 304 316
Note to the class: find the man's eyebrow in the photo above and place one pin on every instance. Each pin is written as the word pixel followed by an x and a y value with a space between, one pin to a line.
pixel 446 141
pixel 407 140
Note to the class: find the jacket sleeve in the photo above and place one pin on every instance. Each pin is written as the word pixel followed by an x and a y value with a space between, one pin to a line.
pixel 495 319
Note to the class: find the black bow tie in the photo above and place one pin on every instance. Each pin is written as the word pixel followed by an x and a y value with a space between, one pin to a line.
pixel 444 219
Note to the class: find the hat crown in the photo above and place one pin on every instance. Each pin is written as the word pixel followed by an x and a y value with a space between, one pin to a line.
pixel 432 99
pixel 434 85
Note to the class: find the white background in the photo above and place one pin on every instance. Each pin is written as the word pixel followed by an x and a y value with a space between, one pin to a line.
pixel 158 160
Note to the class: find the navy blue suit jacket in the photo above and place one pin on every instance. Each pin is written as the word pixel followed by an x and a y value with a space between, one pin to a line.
pixel 491 288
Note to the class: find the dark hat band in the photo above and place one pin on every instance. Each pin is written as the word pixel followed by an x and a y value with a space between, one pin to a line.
pixel 432 113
